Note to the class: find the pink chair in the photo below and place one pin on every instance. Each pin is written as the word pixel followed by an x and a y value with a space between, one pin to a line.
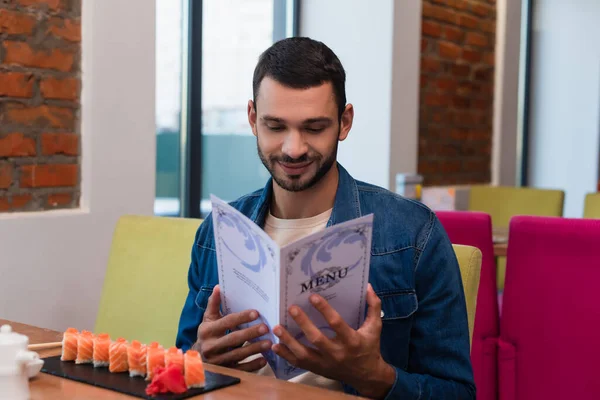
pixel 475 229
pixel 548 346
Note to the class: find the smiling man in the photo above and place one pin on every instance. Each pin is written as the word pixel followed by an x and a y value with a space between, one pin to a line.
pixel 414 343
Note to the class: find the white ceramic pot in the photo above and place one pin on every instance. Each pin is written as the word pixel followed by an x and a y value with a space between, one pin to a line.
pixel 14 359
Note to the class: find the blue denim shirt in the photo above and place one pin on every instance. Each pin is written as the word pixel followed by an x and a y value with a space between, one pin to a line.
pixel 414 272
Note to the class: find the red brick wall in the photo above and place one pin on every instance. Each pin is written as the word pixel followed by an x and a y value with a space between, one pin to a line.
pixel 40 51
pixel 457 91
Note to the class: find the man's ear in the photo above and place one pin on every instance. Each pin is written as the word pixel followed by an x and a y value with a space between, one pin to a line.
pixel 252 116
pixel 346 122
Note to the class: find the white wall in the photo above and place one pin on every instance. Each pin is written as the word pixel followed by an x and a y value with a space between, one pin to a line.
pixel 565 99
pixel 52 264
pixel 378 42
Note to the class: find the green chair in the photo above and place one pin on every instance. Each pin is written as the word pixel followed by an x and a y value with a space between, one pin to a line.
pixel 469 262
pixel 504 202
pixel 146 280
pixel 592 206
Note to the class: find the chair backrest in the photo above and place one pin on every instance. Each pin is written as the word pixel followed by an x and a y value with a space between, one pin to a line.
pixel 503 202
pixel 550 317
pixel 475 229
pixel 592 206
pixel 146 280
pixel 469 261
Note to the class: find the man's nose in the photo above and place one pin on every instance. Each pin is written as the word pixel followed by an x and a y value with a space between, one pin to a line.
pixel 294 145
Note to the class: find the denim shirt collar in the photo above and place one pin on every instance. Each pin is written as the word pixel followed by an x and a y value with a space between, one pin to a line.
pixel 346 205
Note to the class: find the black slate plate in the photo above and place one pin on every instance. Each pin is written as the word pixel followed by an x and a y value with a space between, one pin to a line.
pixel 122 383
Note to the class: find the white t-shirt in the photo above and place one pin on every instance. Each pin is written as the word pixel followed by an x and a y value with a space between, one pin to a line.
pixel 284 231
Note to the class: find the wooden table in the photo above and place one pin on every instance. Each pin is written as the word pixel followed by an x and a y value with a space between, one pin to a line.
pixel 500 236
pixel 46 386
pixel 500 249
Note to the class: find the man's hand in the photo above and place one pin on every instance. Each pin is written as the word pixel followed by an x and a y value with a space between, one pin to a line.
pixel 353 357
pixel 220 349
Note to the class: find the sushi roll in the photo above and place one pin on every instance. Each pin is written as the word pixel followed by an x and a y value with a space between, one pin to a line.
pixel 174 356
pixel 69 345
pixel 155 357
pixel 194 370
pixel 136 358
pixel 101 346
pixel 85 348
pixel 117 355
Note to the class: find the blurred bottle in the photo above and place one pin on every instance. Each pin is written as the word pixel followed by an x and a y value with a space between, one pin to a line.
pixel 409 185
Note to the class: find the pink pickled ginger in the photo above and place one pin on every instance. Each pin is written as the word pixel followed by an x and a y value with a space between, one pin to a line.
pixel 167 380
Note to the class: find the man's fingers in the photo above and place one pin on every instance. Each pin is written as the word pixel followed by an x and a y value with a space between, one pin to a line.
pixel 252 366
pixel 218 328
pixel 238 338
pixel 212 312
pixel 311 332
pixel 298 349
pixel 233 321
pixel 214 346
pixel 373 319
pixel 214 325
pixel 241 353
pixel 282 351
pixel 333 318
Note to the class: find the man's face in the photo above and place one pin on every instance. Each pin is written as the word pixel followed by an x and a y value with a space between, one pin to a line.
pixel 297 132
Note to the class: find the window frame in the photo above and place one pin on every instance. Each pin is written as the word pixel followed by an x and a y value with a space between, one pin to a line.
pixel 286 14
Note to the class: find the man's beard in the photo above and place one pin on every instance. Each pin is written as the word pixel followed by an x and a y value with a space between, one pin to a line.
pixel 294 184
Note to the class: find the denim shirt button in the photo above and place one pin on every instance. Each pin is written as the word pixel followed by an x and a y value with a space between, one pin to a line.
pixel 382 314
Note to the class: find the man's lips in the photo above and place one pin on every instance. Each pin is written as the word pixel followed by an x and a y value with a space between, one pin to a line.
pixel 294 168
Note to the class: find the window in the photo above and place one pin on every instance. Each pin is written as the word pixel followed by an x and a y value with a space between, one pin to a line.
pixel 204 143
pixel 170 34
pixel 560 99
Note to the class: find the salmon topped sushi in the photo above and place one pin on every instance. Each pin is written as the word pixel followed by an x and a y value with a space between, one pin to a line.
pixel 155 357
pixel 85 348
pixel 69 345
pixel 117 356
pixel 136 358
pixel 101 346
pixel 174 356
pixel 194 370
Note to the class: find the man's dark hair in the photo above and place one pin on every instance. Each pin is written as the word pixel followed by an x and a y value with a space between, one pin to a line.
pixel 301 63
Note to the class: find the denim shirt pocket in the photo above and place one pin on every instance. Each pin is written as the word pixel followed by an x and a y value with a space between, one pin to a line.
pixel 202 297
pixel 398 304
pixel 397 308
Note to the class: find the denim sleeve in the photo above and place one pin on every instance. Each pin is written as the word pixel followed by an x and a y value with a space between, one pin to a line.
pixel 191 315
pixel 439 366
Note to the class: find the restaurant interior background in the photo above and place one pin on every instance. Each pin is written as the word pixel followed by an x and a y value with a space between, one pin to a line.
pixel 144 111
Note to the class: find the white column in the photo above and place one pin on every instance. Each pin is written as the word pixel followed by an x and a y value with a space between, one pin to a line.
pixel 506 146
pixel 53 263
pixel 378 42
